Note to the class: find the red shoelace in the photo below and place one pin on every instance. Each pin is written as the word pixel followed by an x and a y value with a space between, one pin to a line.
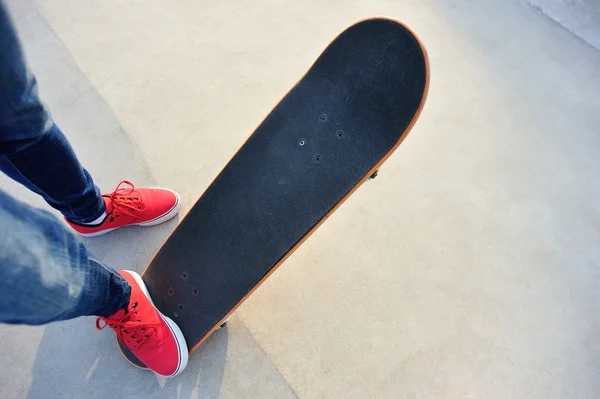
pixel 126 200
pixel 131 331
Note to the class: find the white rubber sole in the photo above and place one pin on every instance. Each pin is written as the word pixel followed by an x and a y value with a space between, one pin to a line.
pixel 161 219
pixel 179 339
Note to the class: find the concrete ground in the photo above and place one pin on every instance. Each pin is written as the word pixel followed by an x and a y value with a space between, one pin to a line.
pixel 469 268
pixel 581 17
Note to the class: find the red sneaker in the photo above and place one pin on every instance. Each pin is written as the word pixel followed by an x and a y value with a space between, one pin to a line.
pixel 130 206
pixel 151 336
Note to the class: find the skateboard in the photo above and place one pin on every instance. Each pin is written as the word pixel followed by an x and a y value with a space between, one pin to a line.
pixel 326 136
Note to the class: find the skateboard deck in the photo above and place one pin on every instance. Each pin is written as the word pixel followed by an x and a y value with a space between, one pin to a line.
pixel 326 136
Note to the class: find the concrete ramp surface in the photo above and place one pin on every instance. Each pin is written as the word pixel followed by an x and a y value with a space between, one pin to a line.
pixel 470 268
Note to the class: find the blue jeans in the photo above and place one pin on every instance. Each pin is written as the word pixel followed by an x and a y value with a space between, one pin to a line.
pixel 46 274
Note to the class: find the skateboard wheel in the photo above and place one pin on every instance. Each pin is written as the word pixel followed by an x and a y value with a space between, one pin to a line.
pixel 222 325
pixel 374 175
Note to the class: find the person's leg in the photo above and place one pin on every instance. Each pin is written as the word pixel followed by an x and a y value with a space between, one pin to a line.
pixel 35 153
pixel 47 165
pixel 33 150
pixel 46 274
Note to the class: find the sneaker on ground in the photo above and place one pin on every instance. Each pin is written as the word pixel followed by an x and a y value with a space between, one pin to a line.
pixel 153 338
pixel 128 206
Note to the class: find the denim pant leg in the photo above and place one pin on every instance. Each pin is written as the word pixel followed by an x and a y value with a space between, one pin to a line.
pixel 46 274
pixel 33 150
